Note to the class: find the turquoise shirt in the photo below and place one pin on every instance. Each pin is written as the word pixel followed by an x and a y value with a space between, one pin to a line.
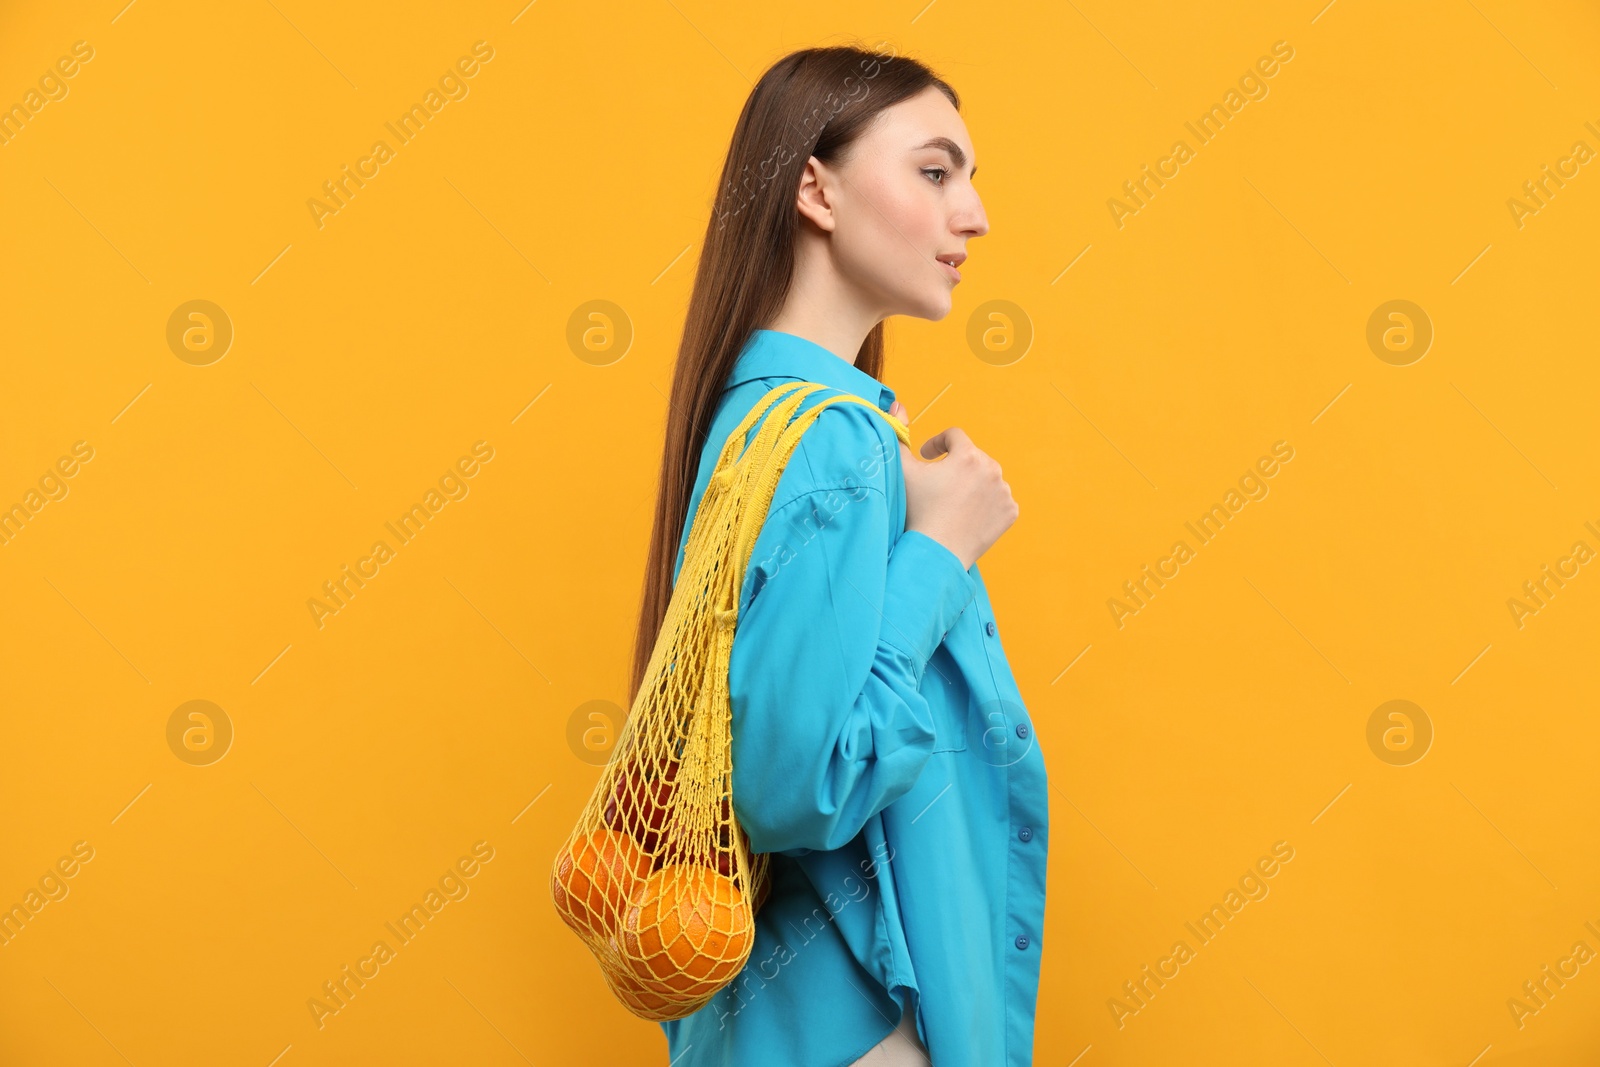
pixel 881 752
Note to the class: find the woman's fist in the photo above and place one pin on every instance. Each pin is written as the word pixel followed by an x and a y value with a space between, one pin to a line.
pixel 959 500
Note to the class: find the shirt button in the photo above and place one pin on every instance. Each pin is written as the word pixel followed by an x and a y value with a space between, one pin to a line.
pixel 1026 833
pixel 988 627
pixel 1022 940
pixel 1022 729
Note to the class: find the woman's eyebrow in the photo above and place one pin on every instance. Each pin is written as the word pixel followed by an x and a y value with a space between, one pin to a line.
pixel 956 154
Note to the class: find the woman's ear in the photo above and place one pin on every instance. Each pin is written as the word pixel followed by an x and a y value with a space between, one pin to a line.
pixel 814 198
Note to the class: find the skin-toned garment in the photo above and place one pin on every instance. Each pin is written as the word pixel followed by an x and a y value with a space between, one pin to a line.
pixel 902 1048
pixel 881 753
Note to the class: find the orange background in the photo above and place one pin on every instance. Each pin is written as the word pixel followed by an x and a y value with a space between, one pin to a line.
pixel 435 710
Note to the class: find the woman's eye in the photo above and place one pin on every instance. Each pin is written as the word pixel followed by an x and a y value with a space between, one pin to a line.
pixel 940 171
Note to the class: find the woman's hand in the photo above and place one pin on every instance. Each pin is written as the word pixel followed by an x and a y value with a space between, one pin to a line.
pixel 960 500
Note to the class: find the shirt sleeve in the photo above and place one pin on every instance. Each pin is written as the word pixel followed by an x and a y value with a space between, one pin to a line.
pixel 829 725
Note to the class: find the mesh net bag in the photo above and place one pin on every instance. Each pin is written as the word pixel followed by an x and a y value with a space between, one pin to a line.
pixel 657 877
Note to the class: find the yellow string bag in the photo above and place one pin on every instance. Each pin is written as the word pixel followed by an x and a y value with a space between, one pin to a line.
pixel 657 877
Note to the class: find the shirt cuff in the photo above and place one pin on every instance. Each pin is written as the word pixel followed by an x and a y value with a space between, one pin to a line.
pixel 925 592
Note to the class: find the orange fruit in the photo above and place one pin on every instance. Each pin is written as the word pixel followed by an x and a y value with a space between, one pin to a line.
pixel 635 997
pixel 594 877
pixel 687 931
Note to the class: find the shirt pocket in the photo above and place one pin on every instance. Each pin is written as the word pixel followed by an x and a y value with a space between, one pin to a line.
pixel 948 696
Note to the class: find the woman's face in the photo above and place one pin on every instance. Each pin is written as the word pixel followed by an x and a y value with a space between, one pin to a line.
pixel 902 201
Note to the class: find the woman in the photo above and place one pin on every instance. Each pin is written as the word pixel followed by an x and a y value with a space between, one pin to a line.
pixel 881 750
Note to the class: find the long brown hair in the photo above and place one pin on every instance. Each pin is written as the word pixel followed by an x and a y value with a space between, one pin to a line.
pixel 814 102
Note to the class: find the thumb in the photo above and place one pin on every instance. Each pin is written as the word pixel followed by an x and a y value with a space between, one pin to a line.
pixel 936 446
pixel 898 410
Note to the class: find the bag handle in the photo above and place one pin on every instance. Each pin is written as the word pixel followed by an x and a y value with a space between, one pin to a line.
pixel 777 440
pixel 795 391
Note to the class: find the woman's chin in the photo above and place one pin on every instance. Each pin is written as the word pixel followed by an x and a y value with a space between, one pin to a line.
pixel 933 308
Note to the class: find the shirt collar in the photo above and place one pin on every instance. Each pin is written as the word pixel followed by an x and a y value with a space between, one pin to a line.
pixel 777 354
